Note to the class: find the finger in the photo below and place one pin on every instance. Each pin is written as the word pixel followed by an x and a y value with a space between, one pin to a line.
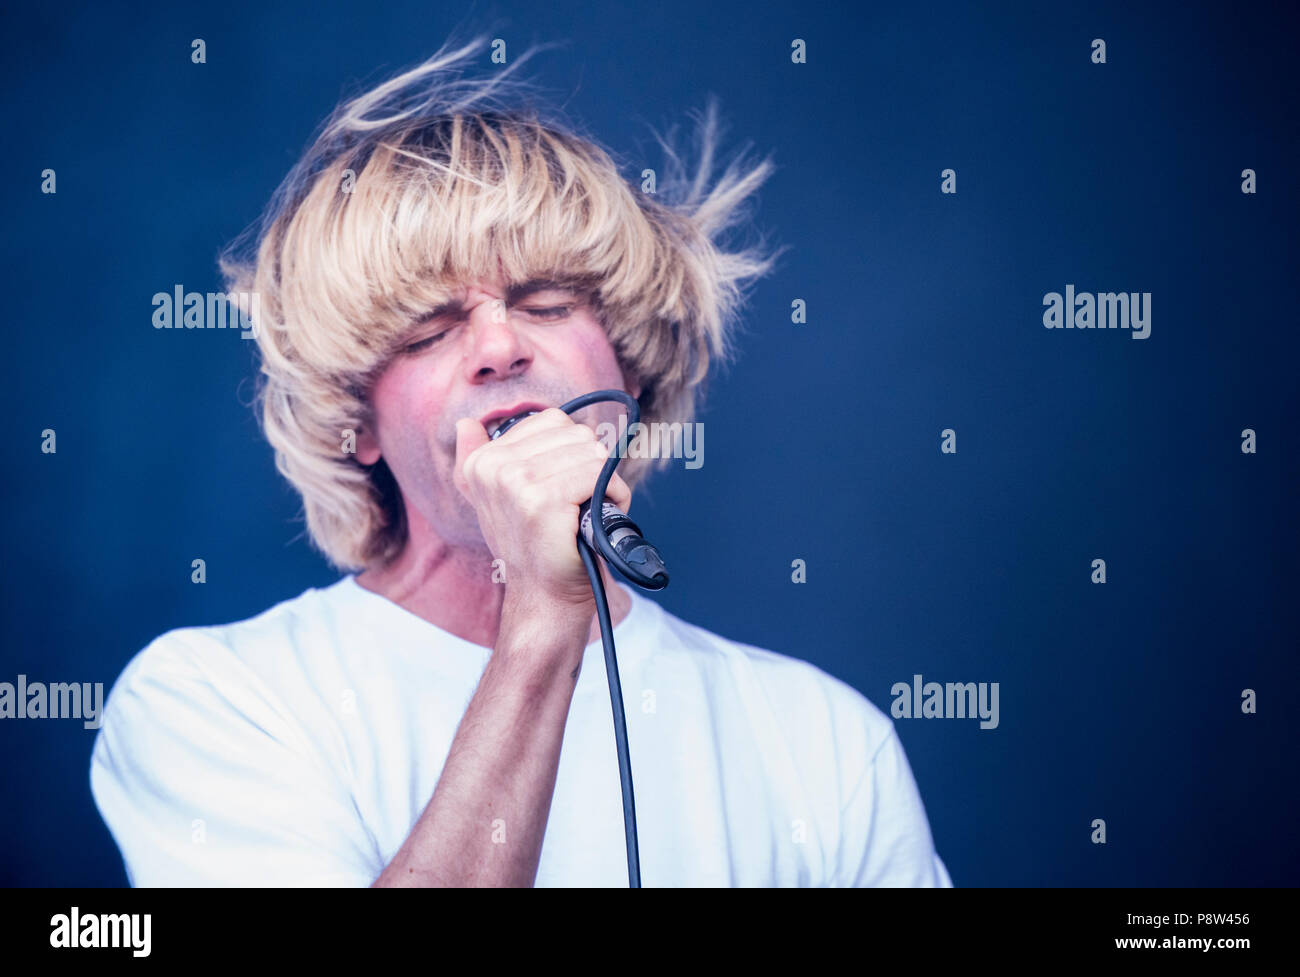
pixel 550 418
pixel 575 481
pixel 513 468
pixel 530 445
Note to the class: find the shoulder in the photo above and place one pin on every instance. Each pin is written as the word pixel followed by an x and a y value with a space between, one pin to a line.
pixel 831 752
pixel 194 677
pixel 819 714
pixel 215 651
pixel 206 773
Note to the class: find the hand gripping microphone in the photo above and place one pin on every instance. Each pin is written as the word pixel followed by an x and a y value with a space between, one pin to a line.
pixel 634 556
pixel 618 539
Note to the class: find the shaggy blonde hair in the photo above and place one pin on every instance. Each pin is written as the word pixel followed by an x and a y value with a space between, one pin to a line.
pixel 427 181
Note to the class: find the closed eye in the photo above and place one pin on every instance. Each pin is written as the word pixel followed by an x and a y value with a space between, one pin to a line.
pixel 424 343
pixel 550 314
pixel 554 312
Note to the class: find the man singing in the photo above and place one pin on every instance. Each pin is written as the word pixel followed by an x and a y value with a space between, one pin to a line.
pixel 437 262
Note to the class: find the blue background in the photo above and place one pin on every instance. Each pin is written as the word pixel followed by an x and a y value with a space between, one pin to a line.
pixel 1118 701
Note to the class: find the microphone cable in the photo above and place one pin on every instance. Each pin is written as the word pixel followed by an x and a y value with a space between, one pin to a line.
pixel 639 562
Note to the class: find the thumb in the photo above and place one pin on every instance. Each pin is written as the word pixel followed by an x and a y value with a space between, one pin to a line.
pixel 470 436
pixel 618 492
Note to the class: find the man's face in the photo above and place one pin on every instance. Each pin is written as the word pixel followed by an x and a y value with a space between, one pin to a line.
pixel 494 348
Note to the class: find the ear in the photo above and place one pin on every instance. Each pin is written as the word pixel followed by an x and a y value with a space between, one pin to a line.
pixel 631 385
pixel 367 447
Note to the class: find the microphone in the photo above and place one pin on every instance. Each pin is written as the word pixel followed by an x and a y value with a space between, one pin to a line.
pixel 624 535
pixel 510 422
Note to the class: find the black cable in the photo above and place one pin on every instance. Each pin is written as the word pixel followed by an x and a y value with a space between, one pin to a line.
pixel 656 581
pixel 620 722
pixel 602 612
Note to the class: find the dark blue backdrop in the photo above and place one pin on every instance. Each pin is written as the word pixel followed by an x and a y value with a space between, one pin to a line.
pixel 1118 701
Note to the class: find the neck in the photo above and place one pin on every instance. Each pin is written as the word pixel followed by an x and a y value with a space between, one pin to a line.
pixel 453 588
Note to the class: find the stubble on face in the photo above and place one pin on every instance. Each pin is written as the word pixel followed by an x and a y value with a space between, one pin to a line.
pixel 424 466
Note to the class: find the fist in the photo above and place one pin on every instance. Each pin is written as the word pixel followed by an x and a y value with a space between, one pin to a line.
pixel 526 488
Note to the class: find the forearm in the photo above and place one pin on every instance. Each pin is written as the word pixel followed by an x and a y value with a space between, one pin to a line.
pixel 486 820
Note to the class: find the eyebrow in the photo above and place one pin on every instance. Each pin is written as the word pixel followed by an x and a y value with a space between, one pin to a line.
pixel 514 295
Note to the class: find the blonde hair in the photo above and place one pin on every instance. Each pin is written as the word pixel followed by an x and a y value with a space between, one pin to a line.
pixel 426 181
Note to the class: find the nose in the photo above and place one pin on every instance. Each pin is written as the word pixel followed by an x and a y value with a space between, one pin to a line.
pixel 496 349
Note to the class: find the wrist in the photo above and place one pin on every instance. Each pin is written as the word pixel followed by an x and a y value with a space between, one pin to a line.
pixel 541 629
pixel 560 611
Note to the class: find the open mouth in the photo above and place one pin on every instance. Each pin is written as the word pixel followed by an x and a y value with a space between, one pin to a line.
pixel 497 421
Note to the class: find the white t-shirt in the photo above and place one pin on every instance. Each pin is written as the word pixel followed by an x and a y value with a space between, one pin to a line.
pixel 299 747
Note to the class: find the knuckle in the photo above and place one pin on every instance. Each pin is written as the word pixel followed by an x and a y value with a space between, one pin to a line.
pixel 503 475
pixel 532 500
pixel 516 470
